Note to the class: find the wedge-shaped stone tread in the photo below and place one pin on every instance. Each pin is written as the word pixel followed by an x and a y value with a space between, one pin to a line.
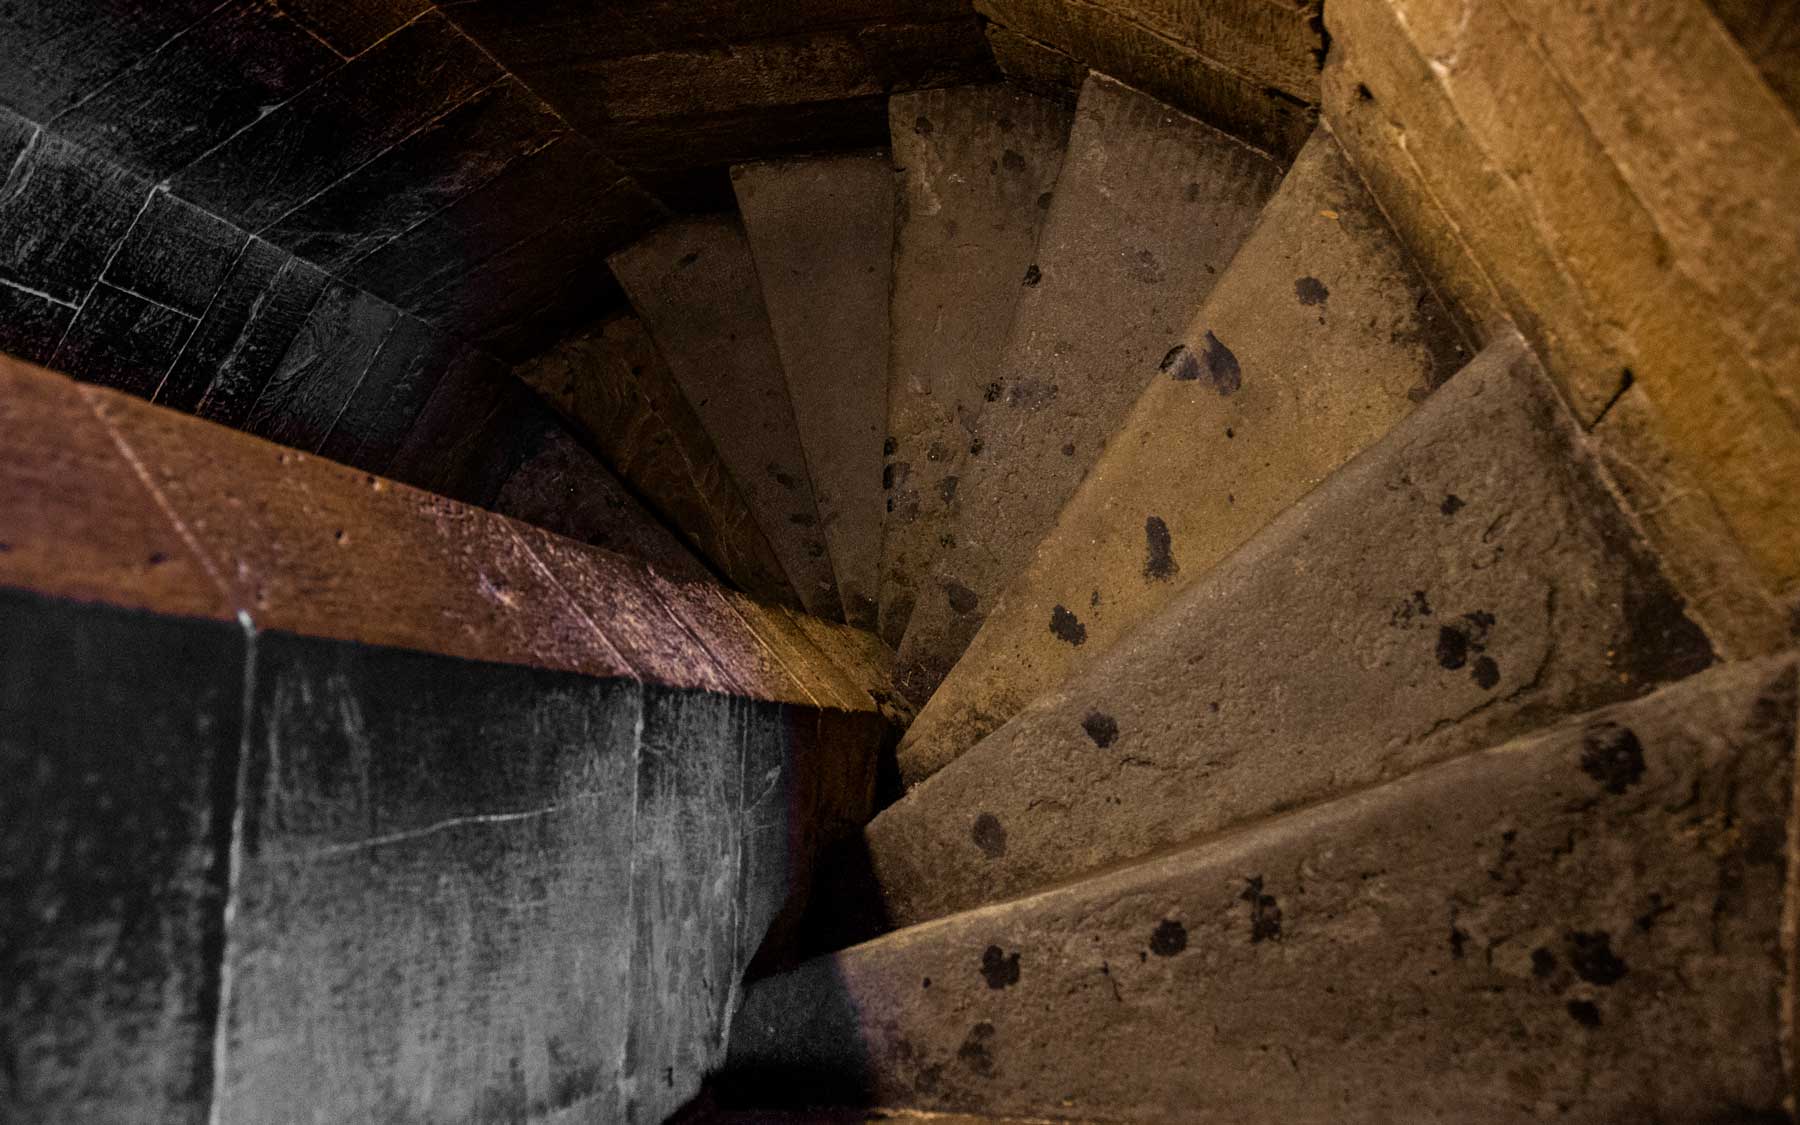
pixel 822 233
pixel 694 285
pixel 1148 210
pixel 611 383
pixel 1585 924
pixel 1465 580
pixel 1317 340
pixel 976 166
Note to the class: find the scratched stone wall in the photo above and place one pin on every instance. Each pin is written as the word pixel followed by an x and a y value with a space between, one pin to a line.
pixel 457 890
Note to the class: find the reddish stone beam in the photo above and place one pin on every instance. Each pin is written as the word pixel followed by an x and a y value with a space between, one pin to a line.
pixel 105 498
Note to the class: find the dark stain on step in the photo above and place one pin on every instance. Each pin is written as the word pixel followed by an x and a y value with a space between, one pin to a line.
pixel 1222 366
pixel 894 473
pixel 1145 269
pixel 947 488
pixel 937 452
pixel 991 393
pixel 1594 961
pixel 1311 291
pixel 1044 202
pixel 1101 727
pixel 922 125
pixel 1159 561
pixel 802 519
pixel 1181 364
pixel 1458 939
pixel 1000 970
pixel 782 478
pixel 1005 122
pixel 890 447
pixel 1613 756
pixel 976 446
pixel 687 259
pixel 1409 608
pixel 1012 161
pixel 1543 962
pixel 1033 275
pixel 1452 504
pixel 1193 192
pixel 1069 449
pixel 1584 1013
pixel 1065 626
pixel 974 1050
pixel 989 835
pixel 1265 913
pixel 1464 638
pixel 1169 938
pixel 962 599
pixel 1031 394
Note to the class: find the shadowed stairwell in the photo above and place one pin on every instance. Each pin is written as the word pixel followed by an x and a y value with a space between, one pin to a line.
pixel 941 560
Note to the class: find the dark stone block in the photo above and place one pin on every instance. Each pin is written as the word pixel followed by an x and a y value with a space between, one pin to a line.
pixel 30 326
pixel 59 51
pixel 353 26
pixel 176 255
pixel 258 312
pixel 200 88
pixel 61 213
pixel 670 144
pixel 418 177
pixel 390 396
pixel 530 37
pixel 122 341
pixel 448 432
pixel 567 183
pixel 118 756
pixel 338 125
pixel 432 918
pixel 322 368
pixel 685 847
pixel 549 281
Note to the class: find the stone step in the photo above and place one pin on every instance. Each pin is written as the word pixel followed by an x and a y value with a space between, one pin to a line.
pixel 693 283
pixel 821 232
pixel 976 165
pixel 1316 341
pixel 1466 579
pixel 1149 208
pixel 1587 922
pixel 611 384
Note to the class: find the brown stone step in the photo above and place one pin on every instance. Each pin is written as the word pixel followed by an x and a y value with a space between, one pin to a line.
pixel 1319 338
pixel 610 382
pixel 1148 210
pixel 1587 923
pixel 1466 579
pixel 975 165
pixel 821 231
pixel 694 285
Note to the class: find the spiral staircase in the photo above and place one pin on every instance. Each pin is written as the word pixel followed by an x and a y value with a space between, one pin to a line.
pixel 1292 704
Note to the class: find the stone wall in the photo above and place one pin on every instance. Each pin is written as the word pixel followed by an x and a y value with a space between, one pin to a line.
pixel 1617 178
pixel 322 798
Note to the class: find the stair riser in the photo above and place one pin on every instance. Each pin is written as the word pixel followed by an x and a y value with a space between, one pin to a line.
pixel 1587 924
pixel 1331 337
pixel 1467 579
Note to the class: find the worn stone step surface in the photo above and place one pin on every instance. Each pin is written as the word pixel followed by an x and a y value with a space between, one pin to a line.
pixel 1316 341
pixel 609 381
pixel 1148 210
pixel 821 232
pixel 694 284
pixel 1467 578
pixel 1585 924
pixel 975 167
